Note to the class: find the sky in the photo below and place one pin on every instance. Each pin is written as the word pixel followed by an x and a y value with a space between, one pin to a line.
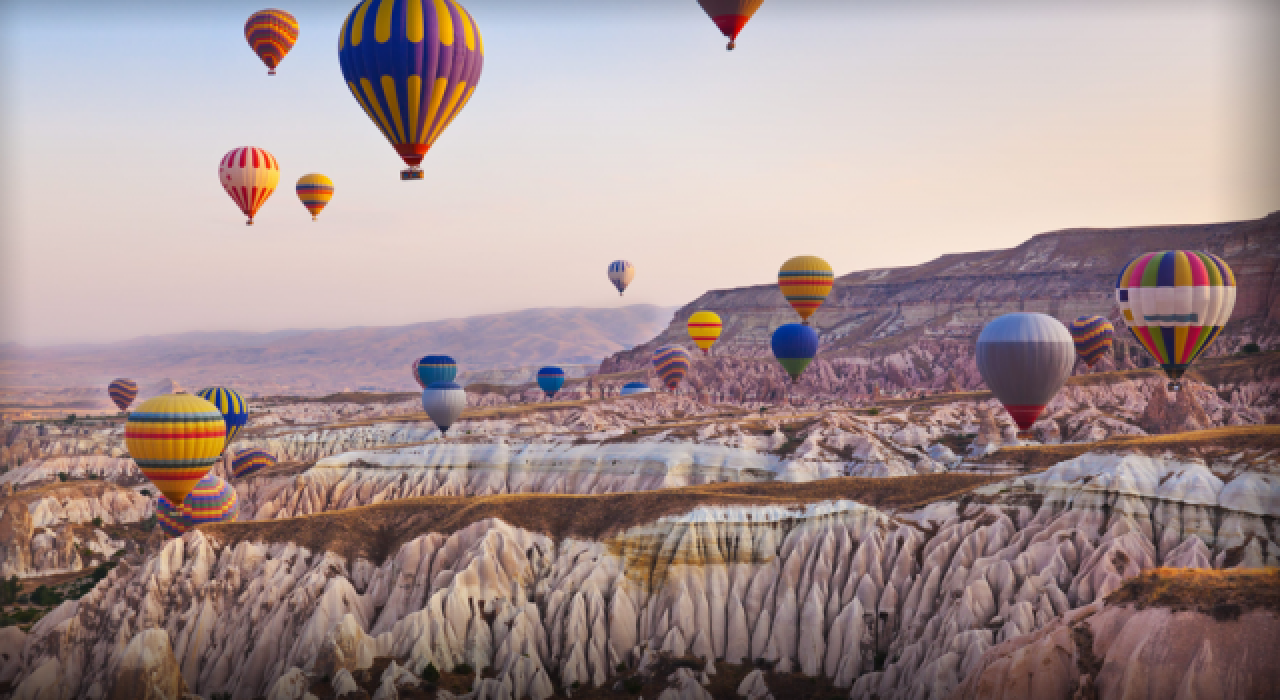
pixel 873 133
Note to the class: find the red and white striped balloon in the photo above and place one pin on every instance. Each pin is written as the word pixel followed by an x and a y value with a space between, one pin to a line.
pixel 249 175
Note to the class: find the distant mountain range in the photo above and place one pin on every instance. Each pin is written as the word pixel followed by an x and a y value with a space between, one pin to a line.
pixel 322 361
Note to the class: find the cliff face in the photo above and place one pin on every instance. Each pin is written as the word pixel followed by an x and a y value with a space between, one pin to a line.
pixel 937 309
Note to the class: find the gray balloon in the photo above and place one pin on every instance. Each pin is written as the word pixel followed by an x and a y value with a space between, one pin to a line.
pixel 444 403
pixel 1024 358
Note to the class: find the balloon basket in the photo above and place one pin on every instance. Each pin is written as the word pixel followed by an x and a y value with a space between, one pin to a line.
pixel 731 46
pixel 411 174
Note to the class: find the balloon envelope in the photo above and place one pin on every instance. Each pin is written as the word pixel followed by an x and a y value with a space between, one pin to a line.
pixel 271 33
pixel 212 500
pixel 671 363
pixel 172 520
pixel 412 65
pixel 550 379
pixel 174 439
pixel 632 388
pixel 704 328
pixel 315 191
pixel 805 281
pixel 1092 336
pixel 1175 302
pixel 433 369
pixel 235 412
pixel 1024 358
pixel 730 15
pixel 122 392
pixel 621 273
pixel 250 461
pixel 249 175
pixel 444 403
pixel 795 345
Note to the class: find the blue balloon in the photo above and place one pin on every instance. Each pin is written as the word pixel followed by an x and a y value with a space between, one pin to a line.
pixel 434 369
pixel 795 346
pixel 631 388
pixel 550 379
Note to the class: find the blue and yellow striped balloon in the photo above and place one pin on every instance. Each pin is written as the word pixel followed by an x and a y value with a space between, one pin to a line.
pixel 213 500
pixel 1092 335
pixel 122 392
pixel 172 521
pixel 174 439
pixel 251 461
pixel 234 410
pixel 671 363
pixel 412 65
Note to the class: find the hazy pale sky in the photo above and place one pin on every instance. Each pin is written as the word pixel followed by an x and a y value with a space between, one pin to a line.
pixel 873 133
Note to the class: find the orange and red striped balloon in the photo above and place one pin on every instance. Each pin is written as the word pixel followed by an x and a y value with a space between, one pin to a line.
pixel 271 33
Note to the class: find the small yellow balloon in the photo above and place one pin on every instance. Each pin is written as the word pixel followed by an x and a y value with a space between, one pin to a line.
pixel 315 191
pixel 805 281
pixel 704 328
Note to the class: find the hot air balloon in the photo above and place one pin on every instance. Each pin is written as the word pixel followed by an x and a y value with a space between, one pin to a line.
pixel 1092 335
pixel 271 33
pixel 1024 358
pixel 122 392
pixel 1175 303
pixel 805 281
pixel 251 461
pixel 434 368
pixel 671 363
pixel 550 379
pixel 795 345
pixel 730 15
pixel 249 175
pixel 633 388
pixel 174 439
pixel 621 273
pixel 234 410
pixel 315 191
pixel 444 403
pixel 704 328
pixel 172 521
pixel 412 65
pixel 212 500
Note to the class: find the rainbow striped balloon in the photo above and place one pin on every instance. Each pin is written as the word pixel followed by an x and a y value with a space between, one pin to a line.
pixel 174 439
pixel 122 392
pixel 249 175
pixel 172 521
pixel 704 328
pixel 672 363
pixel 805 281
pixel 271 33
pixel 212 500
pixel 1175 303
pixel 251 461
pixel 234 410
pixel 315 191
pixel 1092 335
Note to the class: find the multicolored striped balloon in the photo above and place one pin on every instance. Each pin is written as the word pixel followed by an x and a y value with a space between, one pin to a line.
pixel 172 521
pixel 433 369
pixel 794 345
pixel 671 363
pixel 174 439
pixel 271 33
pixel 730 15
pixel 251 461
pixel 315 191
pixel 1092 335
pixel 249 175
pixel 621 273
pixel 704 328
pixel 550 379
pixel 122 392
pixel 1175 302
pixel 234 410
pixel 212 500
pixel 412 65
pixel 805 281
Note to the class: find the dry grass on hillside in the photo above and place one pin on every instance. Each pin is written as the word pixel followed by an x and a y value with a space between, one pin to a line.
pixel 377 531
pixel 1225 594
pixel 1194 443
